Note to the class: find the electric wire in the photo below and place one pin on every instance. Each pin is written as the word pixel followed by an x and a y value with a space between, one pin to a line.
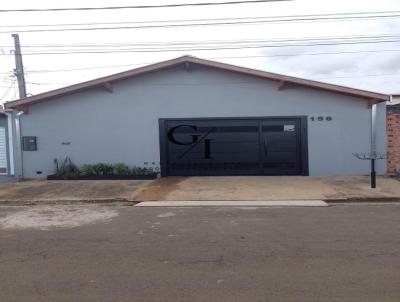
pixel 143 50
pixel 265 19
pixel 27 71
pixel 138 6
pixel 225 23
pixel 208 42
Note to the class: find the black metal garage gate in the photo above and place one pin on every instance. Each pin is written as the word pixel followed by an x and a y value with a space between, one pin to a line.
pixel 234 146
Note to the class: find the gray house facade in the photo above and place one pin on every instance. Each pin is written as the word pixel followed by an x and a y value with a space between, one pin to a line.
pixel 199 117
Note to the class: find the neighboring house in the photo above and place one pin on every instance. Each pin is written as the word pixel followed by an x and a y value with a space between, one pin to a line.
pixel 395 99
pixel 200 117
pixel 393 131
pixel 6 147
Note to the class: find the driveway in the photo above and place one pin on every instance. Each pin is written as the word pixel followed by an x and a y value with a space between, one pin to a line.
pixel 114 253
pixel 268 188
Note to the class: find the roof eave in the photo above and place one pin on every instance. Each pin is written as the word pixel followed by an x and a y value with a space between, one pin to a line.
pixel 372 96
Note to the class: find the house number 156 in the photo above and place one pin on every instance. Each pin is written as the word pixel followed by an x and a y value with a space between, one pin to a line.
pixel 321 118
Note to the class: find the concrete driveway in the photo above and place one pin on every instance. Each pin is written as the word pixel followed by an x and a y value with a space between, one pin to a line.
pixel 250 188
pixel 108 253
pixel 268 188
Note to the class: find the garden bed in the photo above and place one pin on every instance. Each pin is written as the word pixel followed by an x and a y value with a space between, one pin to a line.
pixel 67 170
pixel 106 177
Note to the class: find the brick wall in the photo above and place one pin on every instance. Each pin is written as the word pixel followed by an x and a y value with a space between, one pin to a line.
pixel 393 132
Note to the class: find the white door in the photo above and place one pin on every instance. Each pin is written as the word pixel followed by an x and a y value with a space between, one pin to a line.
pixel 3 151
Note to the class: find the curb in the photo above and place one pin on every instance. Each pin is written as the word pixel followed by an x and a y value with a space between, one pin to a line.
pixel 233 203
pixel 376 200
pixel 123 201
pixel 99 201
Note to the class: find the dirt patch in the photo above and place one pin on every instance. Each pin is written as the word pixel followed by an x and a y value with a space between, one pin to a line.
pixel 159 189
pixel 51 217
pixel 70 190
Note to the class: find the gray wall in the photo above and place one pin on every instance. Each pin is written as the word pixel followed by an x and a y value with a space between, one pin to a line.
pixel 123 126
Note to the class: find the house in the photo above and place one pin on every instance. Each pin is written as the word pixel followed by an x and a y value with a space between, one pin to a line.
pixel 393 132
pixel 198 117
pixel 6 146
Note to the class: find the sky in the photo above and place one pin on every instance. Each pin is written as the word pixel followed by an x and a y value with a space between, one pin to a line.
pixel 325 46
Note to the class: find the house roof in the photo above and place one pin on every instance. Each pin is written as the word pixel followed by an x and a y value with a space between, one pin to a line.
pixel 106 82
pixel 393 108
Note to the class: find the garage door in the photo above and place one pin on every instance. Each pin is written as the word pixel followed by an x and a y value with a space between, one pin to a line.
pixel 234 146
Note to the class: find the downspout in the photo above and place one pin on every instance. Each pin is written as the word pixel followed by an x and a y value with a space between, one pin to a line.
pixel 19 173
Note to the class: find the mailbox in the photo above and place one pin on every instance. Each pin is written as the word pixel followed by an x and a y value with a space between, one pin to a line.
pixel 29 143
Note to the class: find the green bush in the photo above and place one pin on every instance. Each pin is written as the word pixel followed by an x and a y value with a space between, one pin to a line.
pixel 102 169
pixel 86 170
pixel 141 170
pixel 120 169
pixel 67 169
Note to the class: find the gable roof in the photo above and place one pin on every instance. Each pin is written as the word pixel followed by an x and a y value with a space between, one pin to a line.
pixel 107 81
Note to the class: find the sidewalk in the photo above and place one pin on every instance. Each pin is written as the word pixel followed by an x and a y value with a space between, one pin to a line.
pixel 269 188
pixel 238 188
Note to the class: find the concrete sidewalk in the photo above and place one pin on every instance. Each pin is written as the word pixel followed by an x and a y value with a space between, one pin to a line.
pixel 238 188
pixel 268 188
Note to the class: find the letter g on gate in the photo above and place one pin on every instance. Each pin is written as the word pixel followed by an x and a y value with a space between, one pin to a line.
pixel 196 139
pixel 172 138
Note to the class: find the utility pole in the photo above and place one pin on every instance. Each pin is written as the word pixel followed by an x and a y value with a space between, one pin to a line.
pixel 19 67
pixel 19 73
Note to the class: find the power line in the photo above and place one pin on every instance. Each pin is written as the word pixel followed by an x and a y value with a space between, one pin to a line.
pixel 143 50
pixel 225 57
pixel 7 90
pixel 226 44
pixel 224 23
pixel 137 6
pixel 285 18
pixel 211 42
pixel 219 57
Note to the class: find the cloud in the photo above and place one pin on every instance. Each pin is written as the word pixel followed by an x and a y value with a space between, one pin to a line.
pixel 379 70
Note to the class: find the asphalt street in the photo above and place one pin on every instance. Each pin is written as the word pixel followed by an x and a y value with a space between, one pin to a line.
pixel 122 253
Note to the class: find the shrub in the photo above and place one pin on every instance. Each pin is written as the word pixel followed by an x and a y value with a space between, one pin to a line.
pixel 120 169
pixel 102 169
pixel 87 170
pixel 141 170
pixel 67 169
